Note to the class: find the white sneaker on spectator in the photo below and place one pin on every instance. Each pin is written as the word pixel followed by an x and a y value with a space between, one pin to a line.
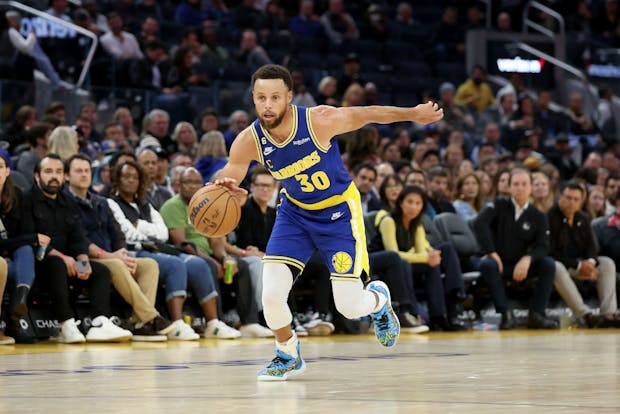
pixel 219 330
pixel 103 330
pixel 182 332
pixel 255 330
pixel 70 333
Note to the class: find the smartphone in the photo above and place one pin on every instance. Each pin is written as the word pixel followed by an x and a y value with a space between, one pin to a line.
pixel 83 266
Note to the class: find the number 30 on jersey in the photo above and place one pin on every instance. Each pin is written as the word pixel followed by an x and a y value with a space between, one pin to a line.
pixel 317 181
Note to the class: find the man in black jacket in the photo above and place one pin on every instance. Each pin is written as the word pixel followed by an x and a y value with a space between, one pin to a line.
pixel 134 278
pixel 56 215
pixel 514 238
pixel 574 250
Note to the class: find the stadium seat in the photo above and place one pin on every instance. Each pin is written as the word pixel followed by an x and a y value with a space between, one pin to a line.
pixel 455 229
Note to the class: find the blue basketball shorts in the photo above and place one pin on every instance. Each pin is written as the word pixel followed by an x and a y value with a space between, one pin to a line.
pixel 337 232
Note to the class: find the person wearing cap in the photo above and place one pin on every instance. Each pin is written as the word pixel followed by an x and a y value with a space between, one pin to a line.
pixel 456 117
pixel 350 73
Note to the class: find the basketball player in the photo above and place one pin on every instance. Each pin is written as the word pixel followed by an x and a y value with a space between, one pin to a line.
pixel 320 207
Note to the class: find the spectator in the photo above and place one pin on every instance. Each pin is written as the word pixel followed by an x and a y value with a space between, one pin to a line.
pixel 328 88
pixel 490 142
pixel 84 129
pixel 338 24
pixel 383 170
pixel 144 228
pixel 30 47
pixel 306 25
pixel 475 92
pixel 185 136
pixel 114 138
pixel 237 122
pixel 504 23
pixel 149 31
pixel 562 158
pixel 4 339
pixel 456 117
pixel 486 185
pixel 521 256
pixel 389 191
pixel 448 37
pixel 156 123
pixel 175 178
pixel 18 239
pixel 54 214
pixel 156 194
pixel 212 155
pixel 89 111
pixel 63 141
pixel 401 231
pixel 148 73
pixel 353 96
pixel 437 192
pixel 250 54
pixel 134 278
pixel 542 197
pixel 57 110
pixel 118 43
pixel 38 135
pixel 174 213
pixel 595 204
pixel 549 121
pixel 362 148
pixel 375 25
pixel 183 75
pixel 468 196
pixel 123 116
pixel 364 176
pixel 274 20
pixel 208 121
pixel 350 74
pixel 580 122
pixel 211 52
pixel 17 133
pixel 247 17
pixel 576 263
pixel 501 187
pixel 58 8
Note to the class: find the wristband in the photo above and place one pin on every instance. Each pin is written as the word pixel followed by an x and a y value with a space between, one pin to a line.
pixel 99 253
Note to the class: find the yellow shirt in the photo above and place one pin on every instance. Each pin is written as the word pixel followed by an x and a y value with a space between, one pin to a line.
pixel 469 89
pixel 417 253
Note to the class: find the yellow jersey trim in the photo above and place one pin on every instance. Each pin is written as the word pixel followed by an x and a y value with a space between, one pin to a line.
pixel 292 260
pixel 283 261
pixel 312 133
pixel 290 137
pixel 257 143
pixel 334 200
pixel 345 278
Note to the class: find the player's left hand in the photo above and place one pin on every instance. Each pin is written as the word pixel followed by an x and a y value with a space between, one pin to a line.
pixel 427 113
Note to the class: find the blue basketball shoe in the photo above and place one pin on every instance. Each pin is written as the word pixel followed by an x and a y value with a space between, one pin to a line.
pixel 387 326
pixel 282 367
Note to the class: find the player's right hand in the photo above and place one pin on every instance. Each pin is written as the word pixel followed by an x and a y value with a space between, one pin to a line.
pixel 427 113
pixel 231 184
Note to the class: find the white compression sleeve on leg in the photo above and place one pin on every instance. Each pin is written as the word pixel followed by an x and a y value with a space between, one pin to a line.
pixel 353 301
pixel 277 283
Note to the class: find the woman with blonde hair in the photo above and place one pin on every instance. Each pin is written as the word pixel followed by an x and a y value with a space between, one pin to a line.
pixel 63 141
pixel 595 203
pixel 186 138
pixel 542 197
pixel 328 88
pixel 212 154
pixel 354 95
pixel 468 196
pixel 123 116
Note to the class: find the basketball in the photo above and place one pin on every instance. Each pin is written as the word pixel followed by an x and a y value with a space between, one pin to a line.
pixel 214 211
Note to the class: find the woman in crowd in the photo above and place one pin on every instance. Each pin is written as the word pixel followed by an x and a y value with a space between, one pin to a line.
pixel 328 90
pixel 145 229
pixel 402 231
pixel 389 191
pixel 212 155
pixel 542 197
pixel 500 183
pixel 123 116
pixel 595 204
pixel 64 142
pixel 468 196
pixel 185 136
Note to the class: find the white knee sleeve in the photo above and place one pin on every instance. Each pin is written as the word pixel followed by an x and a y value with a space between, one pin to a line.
pixel 352 300
pixel 277 283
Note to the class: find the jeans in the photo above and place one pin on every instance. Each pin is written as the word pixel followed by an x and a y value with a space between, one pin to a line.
pixel 21 266
pixel 396 273
pixel 434 288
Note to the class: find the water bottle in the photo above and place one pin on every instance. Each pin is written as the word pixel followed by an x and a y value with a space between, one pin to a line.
pixel 229 264
pixel 41 252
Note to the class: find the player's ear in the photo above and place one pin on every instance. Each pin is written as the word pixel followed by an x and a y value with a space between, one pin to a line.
pixel 289 96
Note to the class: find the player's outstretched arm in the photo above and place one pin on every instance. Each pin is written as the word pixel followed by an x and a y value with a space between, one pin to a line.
pixel 335 121
pixel 242 152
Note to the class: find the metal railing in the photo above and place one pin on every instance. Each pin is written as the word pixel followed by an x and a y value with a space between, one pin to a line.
pixel 78 29
pixel 527 23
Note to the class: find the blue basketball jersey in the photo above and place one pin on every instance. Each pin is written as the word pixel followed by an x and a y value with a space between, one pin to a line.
pixel 312 176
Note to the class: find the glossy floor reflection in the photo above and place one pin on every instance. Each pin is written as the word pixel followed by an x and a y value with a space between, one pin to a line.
pixel 517 372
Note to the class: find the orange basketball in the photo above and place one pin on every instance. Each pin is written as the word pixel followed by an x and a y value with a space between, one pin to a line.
pixel 214 211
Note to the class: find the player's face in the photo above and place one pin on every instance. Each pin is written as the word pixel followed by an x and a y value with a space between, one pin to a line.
pixel 271 99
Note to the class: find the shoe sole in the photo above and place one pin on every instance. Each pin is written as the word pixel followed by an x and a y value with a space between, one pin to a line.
pixel 294 373
pixel 116 339
pixel 416 330
pixel 390 310
pixel 7 341
pixel 149 338
pixel 166 330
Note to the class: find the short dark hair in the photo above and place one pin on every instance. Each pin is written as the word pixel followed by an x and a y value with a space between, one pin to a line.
pixel 272 71
pixel 437 171
pixel 116 178
pixel 38 130
pixel 364 166
pixel 209 110
pixel 74 157
pixel 572 185
pixel 612 176
pixel 256 171
pixel 118 155
pixel 53 156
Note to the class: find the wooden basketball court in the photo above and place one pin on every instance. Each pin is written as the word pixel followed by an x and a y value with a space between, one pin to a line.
pixel 517 372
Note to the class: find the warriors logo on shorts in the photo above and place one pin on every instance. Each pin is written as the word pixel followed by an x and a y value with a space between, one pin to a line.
pixel 342 262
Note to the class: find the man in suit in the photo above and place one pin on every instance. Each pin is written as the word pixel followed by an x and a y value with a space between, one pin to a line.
pixel 514 239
